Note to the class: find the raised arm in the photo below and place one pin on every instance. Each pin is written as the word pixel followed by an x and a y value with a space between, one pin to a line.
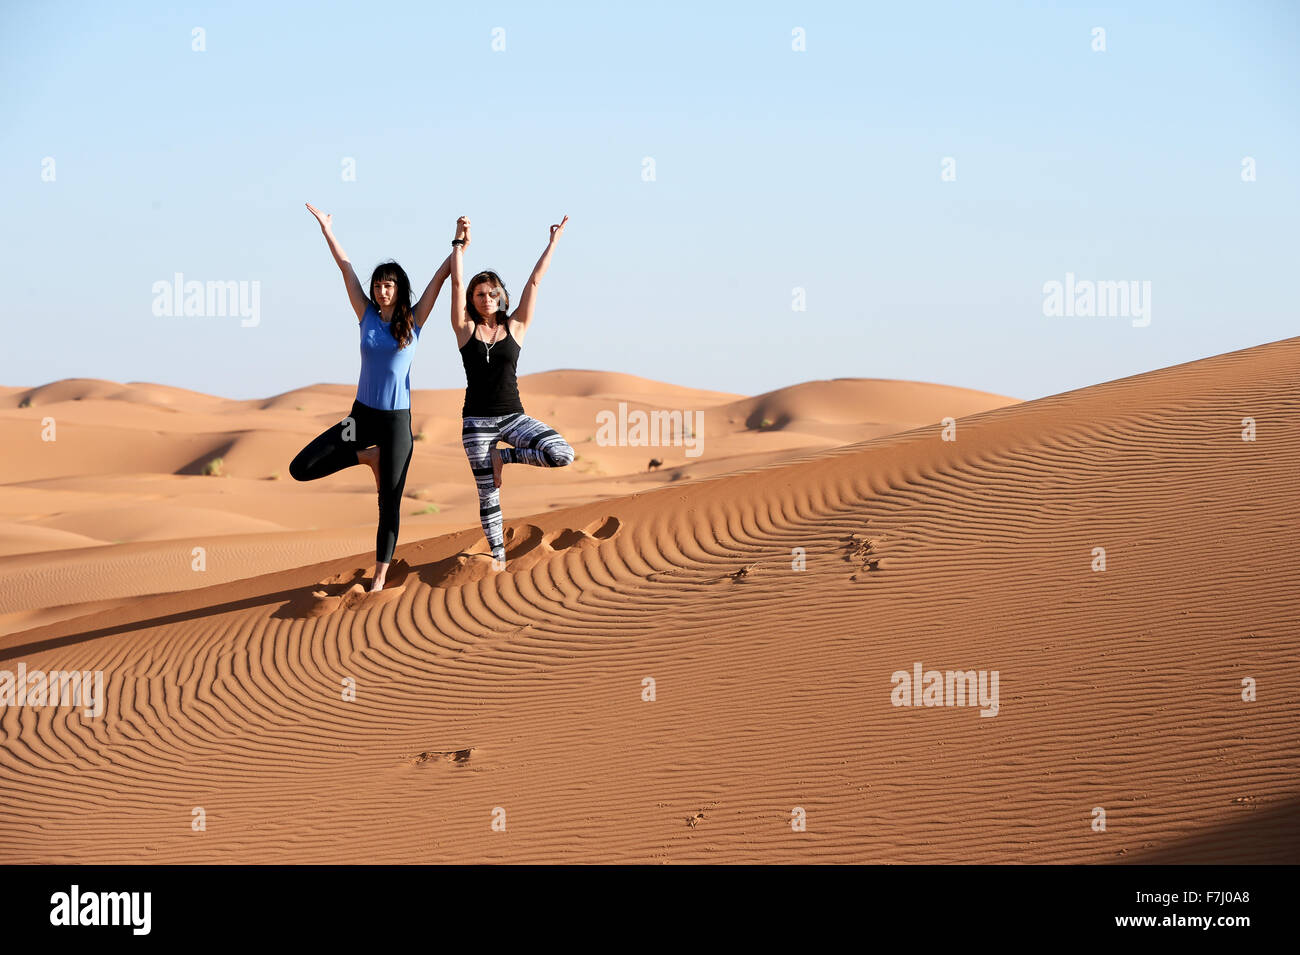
pixel 460 322
pixel 528 298
pixel 425 305
pixel 356 294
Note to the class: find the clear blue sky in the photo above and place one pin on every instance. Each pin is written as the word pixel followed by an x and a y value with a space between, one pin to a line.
pixel 775 169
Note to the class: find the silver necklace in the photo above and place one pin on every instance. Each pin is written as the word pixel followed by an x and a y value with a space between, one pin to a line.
pixel 487 352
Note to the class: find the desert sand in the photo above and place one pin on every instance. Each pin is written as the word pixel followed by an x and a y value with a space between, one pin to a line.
pixel 679 665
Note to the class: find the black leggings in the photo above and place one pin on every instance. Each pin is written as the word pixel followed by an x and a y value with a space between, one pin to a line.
pixel 337 448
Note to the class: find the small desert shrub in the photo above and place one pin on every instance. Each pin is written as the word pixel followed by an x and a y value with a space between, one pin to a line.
pixel 213 468
pixel 26 402
pixel 275 475
pixel 765 424
pixel 429 509
pixel 420 436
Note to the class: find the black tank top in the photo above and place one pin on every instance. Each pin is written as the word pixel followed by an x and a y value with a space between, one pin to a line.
pixel 490 386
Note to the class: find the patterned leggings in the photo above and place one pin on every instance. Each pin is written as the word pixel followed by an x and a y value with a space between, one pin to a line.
pixel 534 443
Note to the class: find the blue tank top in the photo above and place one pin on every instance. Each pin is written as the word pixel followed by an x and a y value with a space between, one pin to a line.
pixel 385 381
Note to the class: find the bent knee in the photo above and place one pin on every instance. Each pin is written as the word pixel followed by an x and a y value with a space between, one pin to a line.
pixel 560 455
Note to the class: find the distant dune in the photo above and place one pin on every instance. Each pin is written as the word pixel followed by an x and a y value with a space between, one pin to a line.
pixel 676 666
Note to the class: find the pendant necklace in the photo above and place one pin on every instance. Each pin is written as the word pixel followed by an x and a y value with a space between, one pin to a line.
pixel 487 348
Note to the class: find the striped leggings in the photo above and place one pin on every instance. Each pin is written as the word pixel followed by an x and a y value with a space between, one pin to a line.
pixel 534 442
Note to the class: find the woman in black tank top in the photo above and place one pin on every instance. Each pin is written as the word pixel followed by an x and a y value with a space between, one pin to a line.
pixel 489 338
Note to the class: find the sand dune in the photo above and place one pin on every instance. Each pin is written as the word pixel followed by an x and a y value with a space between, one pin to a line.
pixel 845 408
pixel 522 695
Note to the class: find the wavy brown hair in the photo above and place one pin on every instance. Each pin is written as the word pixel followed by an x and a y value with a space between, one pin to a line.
pixel 503 300
pixel 402 320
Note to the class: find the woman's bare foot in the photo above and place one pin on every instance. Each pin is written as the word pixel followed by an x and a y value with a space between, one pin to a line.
pixel 370 457
pixel 381 575
pixel 496 466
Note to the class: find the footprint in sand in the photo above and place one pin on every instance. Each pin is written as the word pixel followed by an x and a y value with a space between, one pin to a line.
pixel 535 546
pixel 589 536
pixel 348 590
pixel 863 551
pixel 527 545
pixel 458 756
pixel 461 569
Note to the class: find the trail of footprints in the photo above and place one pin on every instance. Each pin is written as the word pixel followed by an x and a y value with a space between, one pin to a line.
pixel 526 547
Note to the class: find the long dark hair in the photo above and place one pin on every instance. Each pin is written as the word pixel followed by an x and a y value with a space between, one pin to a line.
pixel 491 278
pixel 402 319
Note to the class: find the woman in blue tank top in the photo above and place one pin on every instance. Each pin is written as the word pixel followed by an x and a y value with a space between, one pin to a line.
pixel 489 337
pixel 377 431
